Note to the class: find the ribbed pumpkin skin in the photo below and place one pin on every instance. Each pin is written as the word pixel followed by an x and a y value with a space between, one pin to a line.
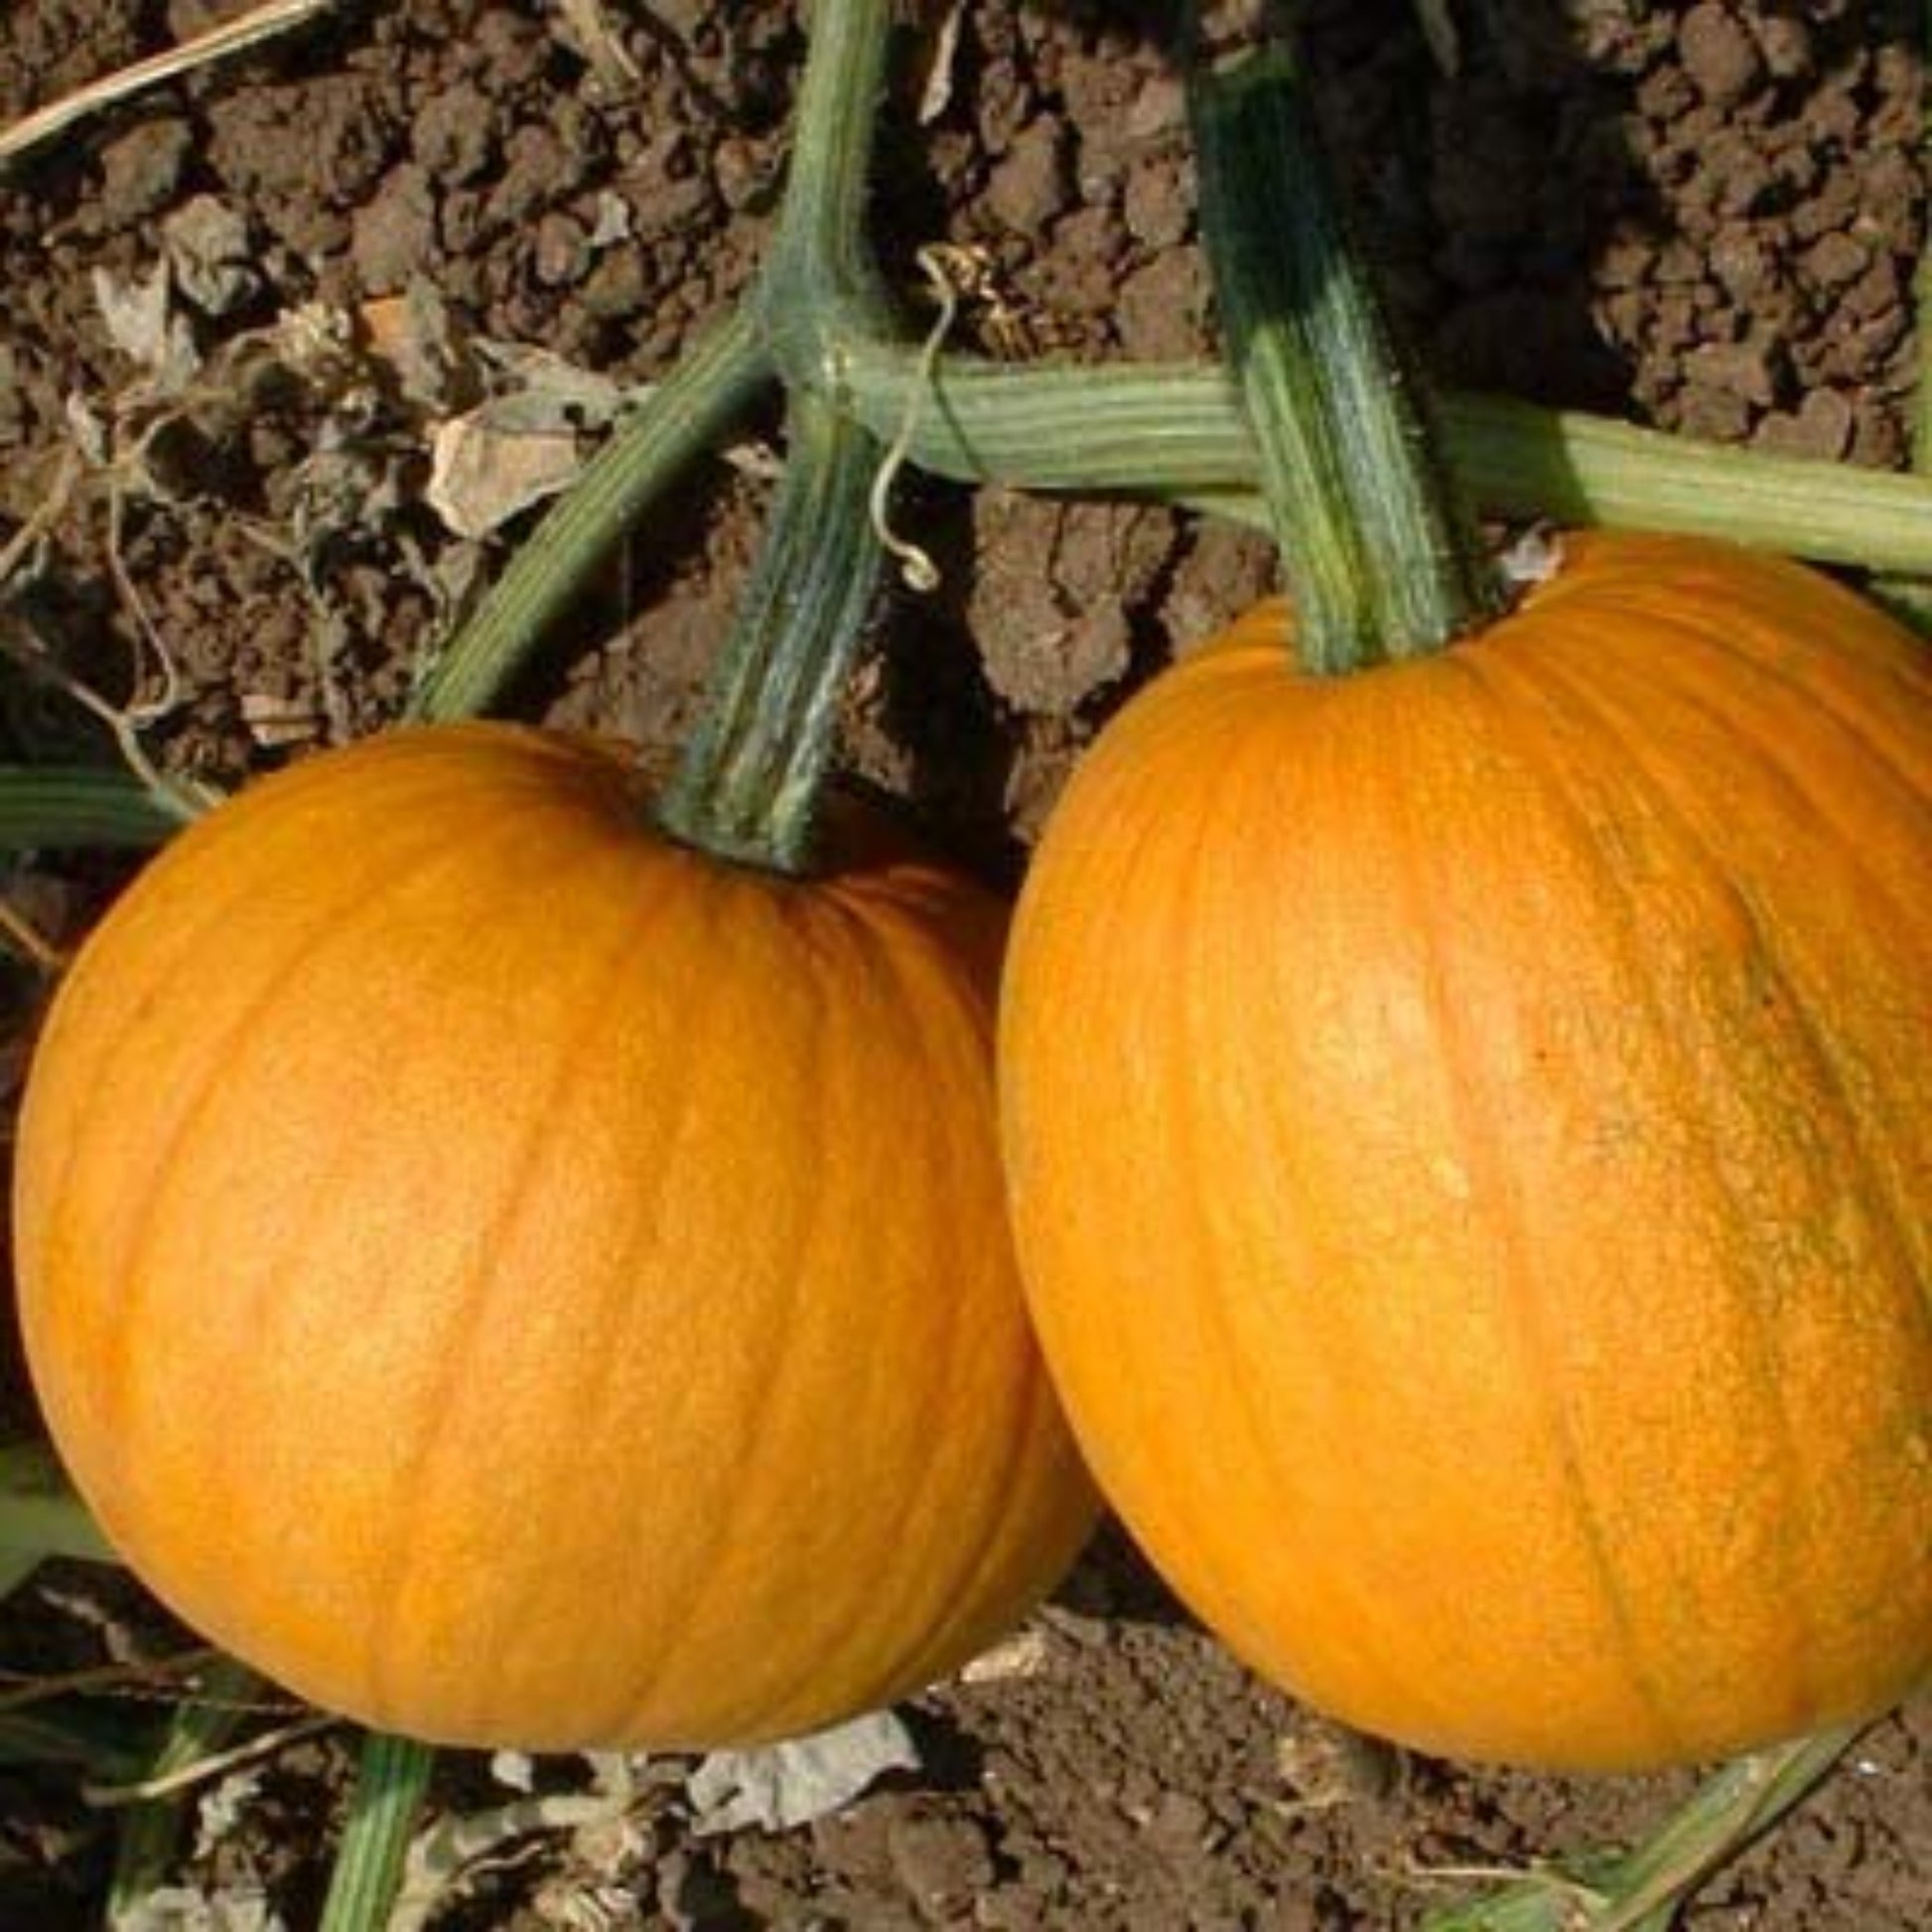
pixel 516 1281
pixel 1470 1130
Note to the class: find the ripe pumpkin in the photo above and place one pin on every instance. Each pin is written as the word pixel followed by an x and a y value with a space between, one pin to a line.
pixel 516 1280
pixel 1471 1132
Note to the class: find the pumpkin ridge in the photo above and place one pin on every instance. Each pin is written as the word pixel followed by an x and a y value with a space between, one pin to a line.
pixel 215 1068
pixel 1828 608
pixel 258 1317
pixel 769 1377
pixel 1581 695
pixel 1493 1182
pixel 213 833
pixel 918 1666
pixel 1766 930
pixel 1824 698
pixel 1635 767
pixel 917 1496
pixel 937 1635
pixel 1156 1433
pixel 1821 697
pixel 1029 922
pixel 646 1226
pixel 1189 986
pixel 1118 861
pixel 1022 1445
pixel 482 1277
pixel 257 1328
pixel 651 1654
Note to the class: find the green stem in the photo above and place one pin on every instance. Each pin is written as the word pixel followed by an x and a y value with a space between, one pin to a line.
pixel 682 418
pixel 1737 1805
pixel 1380 561
pixel 750 778
pixel 390 1781
pixel 821 240
pixel 749 783
pixel 57 807
pixel 1643 1891
pixel 39 1513
pixel 150 1830
pixel 1176 432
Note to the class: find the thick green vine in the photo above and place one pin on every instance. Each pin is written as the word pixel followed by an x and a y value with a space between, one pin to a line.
pixel 749 783
pixel 1381 559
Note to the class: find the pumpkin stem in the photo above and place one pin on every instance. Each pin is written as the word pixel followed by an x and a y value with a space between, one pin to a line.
pixel 747 785
pixel 820 278
pixel 1381 562
pixel 1643 1891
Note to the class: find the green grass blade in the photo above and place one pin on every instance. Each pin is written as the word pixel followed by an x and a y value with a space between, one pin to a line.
pixel 389 1785
pixel 60 807
pixel 151 1831
pixel 100 1743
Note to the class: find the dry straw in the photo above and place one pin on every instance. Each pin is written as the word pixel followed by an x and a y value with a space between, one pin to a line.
pixel 230 37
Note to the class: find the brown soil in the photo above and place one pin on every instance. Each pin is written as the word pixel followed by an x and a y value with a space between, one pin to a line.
pixel 1703 218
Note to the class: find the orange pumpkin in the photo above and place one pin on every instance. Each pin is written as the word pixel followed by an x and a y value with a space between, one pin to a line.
pixel 516 1280
pixel 1470 1130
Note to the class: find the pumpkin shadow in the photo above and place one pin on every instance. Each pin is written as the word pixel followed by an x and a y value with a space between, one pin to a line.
pixel 950 1757
pixel 1113 1580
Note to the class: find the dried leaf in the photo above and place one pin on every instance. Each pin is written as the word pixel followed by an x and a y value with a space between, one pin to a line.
pixel 757 460
pixel 609 1847
pixel 567 1903
pixel 520 446
pixel 185 1908
pixel 543 390
pixel 210 254
pixel 224 1806
pixel 513 1768
pixel 1024 1654
pixel 340 490
pixel 314 342
pixel 274 723
pixel 481 476
pixel 438 1854
pixel 622 1775
pixel 792 1784
pixel 418 336
pixel 143 325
